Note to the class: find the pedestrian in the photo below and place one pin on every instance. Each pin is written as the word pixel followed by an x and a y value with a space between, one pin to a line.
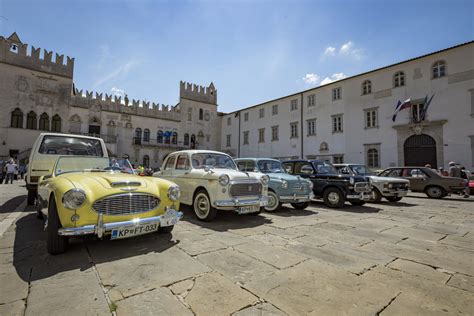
pixel 2 171
pixel 466 174
pixel 11 168
pixel 454 171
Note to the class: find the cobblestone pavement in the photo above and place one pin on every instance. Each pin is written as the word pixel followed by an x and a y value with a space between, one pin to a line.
pixel 415 257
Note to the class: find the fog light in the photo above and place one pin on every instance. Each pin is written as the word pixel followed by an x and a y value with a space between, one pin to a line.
pixel 74 218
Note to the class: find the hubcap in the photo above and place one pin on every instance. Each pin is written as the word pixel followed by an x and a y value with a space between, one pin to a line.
pixel 333 197
pixel 201 205
pixel 435 192
pixel 272 203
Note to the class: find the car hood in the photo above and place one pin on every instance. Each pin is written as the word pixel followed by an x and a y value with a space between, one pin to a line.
pixel 107 180
pixel 236 175
pixel 283 176
pixel 388 179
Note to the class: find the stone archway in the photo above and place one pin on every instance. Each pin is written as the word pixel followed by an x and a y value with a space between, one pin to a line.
pixel 419 150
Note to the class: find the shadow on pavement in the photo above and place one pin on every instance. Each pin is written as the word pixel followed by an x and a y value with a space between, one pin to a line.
pixel 347 208
pixel 447 198
pixel 32 261
pixel 398 204
pixel 291 212
pixel 225 220
pixel 10 205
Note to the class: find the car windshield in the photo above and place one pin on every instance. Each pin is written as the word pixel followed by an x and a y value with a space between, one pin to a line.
pixel 270 166
pixel 214 160
pixel 361 170
pixel 324 168
pixel 69 164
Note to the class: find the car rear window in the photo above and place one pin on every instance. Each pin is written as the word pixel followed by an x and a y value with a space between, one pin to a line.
pixel 66 145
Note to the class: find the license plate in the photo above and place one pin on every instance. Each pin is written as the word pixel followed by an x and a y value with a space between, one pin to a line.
pixel 248 209
pixel 132 231
pixel 170 218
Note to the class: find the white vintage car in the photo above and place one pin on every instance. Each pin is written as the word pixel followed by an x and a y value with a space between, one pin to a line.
pixel 210 181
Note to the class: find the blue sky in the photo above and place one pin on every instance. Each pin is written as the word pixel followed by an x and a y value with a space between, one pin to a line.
pixel 253 51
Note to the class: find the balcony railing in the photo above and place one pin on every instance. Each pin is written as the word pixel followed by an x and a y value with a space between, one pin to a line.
pixel 110 139
pixel 137 141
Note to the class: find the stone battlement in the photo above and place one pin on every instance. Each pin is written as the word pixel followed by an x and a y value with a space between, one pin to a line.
pixel 198 93
pixel 14 52
pixel 111 103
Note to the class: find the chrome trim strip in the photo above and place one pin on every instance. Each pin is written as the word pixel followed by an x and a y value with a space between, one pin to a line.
pixel 262 201
pixel 296 198
pixel 125 183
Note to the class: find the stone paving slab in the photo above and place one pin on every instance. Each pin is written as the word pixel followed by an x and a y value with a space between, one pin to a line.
pixel 420 270
pixel 463 282
pixel 264 309
pixel 16 308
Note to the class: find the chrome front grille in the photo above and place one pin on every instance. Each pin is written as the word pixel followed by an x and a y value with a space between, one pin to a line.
pixel 362 187
pixel 399 186
pixel 126 204
pixel 245 189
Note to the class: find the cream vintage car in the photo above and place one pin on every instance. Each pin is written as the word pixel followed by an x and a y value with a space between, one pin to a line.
pixel 87 195
pixel 210 181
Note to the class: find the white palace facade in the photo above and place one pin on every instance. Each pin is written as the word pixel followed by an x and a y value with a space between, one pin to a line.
pixel 345 121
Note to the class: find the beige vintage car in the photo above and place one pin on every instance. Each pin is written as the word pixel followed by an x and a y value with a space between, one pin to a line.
pixel 210 181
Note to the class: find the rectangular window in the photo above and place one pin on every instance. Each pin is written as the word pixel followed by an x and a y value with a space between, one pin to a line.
pixel 246 137
pixel 274 133
pixel 338 159
pixel 311 100
pixel 371 119
pixel 294 130
pixel 182 163
pixel 261 113
pixel 372 157
pixel 311 127
pixel 294 105
pixel 275 109
pixel 261 135
pixel 246 116
pixel 228 140
pixel 66 145
pixel 229 121
pixel 337 126
pixel 336 93
pixel 170 163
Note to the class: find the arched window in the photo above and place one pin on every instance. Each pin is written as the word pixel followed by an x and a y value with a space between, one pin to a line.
pixel 193 141
pixel 372 158
pixel 56 124
pixel 137 140
pixel 167 137
pixel 174 138
pixel 399 79
pixel 146 161
pixel 159 137
pixel 17 118
pixel 186 139
pixel 146 135
pixel 31 122
pixel 439 69
pixel 324 146
pixel 367 87
pixel 44 122
pixel 201 114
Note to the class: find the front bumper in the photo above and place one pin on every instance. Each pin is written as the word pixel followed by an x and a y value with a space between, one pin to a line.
pixel 297 198
pixel 395 193
pixel 101 228
pixel 360 196
pixel 233 203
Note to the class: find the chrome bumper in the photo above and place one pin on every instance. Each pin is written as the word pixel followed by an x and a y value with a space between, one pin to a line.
pixel 102 227
pixel 296 198
pixel 262 201
pixel 360 196
pixel 394 193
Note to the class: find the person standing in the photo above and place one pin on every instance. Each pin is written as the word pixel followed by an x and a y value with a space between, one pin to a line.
pixel 466 174
pixel 11 168
pixel 454 171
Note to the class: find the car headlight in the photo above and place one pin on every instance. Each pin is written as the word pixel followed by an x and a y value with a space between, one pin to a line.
pixel 284 184
pixel 224 180
pixel 174 193
pixel 310 184
pixel 352 180
pixel 74 198
pixel 390 185
pixel 265 179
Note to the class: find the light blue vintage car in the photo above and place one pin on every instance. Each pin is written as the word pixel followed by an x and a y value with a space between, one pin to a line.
pixel 283 187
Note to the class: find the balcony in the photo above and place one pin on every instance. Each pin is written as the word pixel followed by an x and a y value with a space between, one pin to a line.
pixel 109 139
pixel 137 141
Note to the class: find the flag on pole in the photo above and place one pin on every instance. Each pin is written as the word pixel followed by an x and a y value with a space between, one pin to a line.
pixel 425 107
pixel 401 106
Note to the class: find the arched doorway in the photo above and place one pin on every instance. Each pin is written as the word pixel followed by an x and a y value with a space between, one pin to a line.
pixel 420 150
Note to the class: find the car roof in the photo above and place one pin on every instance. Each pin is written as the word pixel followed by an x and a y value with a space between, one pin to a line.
pixel 197 151
pixel 256 159
pixel 303 160
pixel 69 135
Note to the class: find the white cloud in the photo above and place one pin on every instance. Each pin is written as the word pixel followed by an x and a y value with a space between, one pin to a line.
pixel 311 78
pixel 330 51
pixel 120 71
pixel 117 92
pixel 334 77
pixel 346 48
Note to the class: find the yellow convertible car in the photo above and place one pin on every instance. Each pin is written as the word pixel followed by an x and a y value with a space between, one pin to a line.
pixel 103 197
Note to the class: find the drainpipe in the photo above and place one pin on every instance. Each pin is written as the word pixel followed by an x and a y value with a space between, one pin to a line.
pixel 302 127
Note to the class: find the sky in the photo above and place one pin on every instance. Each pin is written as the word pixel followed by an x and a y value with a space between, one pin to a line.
pixel 253 51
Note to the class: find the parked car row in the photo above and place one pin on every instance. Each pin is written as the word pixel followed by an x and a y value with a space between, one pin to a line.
pixel 79 191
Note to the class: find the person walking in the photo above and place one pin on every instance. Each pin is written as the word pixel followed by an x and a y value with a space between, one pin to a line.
pixel 454 171
pixel 466 174
pixel 11 168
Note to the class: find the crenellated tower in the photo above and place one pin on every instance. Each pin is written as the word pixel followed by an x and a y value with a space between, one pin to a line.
pixel 198 93
pixel 14 52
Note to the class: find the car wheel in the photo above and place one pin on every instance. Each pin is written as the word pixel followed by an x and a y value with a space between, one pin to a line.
pixel 435 192
pixel 393 198
pixel 165 229
pixel 300 206
pixel 334 198
pixel 357 202
pixel 273 202
pixel 56 244
pixel 31 197
pixel 377 196
pixel 202 207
